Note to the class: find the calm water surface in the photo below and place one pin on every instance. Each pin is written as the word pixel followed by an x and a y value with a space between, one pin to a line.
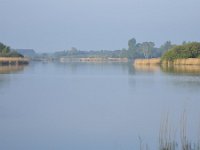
pixel 86 106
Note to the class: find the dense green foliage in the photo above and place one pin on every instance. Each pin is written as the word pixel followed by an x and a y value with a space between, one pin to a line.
pixel 190 50
pixel 5 51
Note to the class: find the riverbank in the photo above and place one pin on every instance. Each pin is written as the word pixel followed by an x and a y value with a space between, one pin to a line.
pixel 13 61
pixel 188 61
pixel 157 61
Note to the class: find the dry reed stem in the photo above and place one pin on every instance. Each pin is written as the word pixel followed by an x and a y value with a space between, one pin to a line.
pixel 152 61
pixel 166 141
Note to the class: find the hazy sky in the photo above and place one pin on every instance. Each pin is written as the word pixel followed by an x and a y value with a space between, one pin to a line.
pixel 52 25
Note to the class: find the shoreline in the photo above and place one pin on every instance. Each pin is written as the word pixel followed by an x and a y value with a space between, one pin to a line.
pixel 13 61
pixel 93 59
pixel 157 61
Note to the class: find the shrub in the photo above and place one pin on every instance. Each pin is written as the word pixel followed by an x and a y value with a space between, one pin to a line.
pixel 6 52
pixel 191 50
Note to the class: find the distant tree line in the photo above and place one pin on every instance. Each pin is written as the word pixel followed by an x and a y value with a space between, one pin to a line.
pixel 134 50
pixel 74 52
pixel 5 51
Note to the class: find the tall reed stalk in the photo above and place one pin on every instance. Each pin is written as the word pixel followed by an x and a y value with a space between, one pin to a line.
pixel 185 144
pixel 166 140
pixel 167 136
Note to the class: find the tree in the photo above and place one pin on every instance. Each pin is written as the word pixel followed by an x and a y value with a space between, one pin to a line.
pixel 165 47
pixel 132 44
pixel 184 43
pixel 147 49
pixel 132 48
pixel 73 51
pixel 5 51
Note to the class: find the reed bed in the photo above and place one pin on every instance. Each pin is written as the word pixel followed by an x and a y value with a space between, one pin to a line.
pixel 152 61
pixel 13 60
pixel 188 61
pixel 157 61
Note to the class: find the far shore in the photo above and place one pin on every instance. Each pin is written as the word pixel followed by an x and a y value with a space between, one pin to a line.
pixel 93 59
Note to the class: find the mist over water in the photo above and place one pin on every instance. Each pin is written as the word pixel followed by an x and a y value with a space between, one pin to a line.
pixel 93 106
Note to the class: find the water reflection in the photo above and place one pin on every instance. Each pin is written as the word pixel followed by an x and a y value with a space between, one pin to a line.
pixel 181 69
pixel 87 67
pixel 175 69
pixel 89 106
pixel 184 76
pixel 147 68
pixel 11 69
pixel 181 76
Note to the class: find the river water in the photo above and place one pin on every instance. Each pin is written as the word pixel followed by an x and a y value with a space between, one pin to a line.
pixel 95 106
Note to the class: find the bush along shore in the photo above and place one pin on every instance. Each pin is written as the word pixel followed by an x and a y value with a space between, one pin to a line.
pixel 10 57
pixel 187 54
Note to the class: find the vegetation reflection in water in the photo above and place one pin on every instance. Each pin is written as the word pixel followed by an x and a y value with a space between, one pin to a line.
pixel 11 69
pixel 182 69
pixel 147 68
pixel 177 69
